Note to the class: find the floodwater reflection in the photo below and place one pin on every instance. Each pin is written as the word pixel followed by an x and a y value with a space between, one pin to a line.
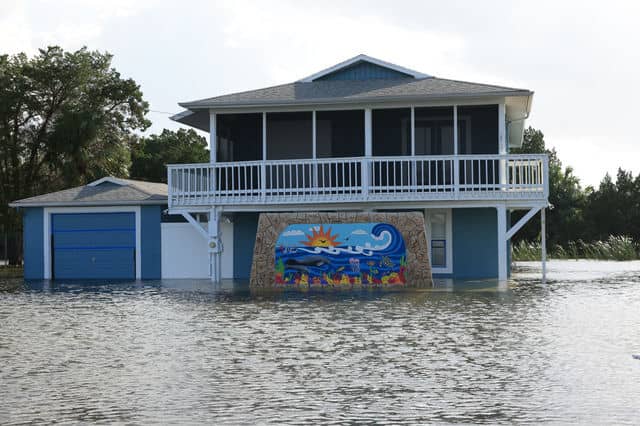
pixel 190 352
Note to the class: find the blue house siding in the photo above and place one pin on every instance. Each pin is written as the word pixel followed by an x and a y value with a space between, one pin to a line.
pixel 150 256
pixel 475 243
pixel 245 227
pixel 33 243
pixel 364 71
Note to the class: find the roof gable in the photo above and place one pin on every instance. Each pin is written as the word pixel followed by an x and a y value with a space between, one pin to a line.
pixel 363 71
pixel 363 67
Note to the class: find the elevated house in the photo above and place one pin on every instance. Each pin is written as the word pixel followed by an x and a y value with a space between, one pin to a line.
pixel 367 135
pixel 361 136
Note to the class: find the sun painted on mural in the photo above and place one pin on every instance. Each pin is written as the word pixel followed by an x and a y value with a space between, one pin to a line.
pixel 340 254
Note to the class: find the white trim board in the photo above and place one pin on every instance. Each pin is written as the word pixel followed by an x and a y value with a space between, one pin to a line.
pixel 48 211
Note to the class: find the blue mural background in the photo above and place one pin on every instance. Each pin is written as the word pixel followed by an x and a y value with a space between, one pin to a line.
pixel 345 254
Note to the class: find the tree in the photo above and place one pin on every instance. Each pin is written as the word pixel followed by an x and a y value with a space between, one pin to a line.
pixel 614 209
pixel 565 219
pixel 65 118
pixel 149 156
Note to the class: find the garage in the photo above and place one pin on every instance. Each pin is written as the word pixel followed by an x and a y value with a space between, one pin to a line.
pixel 109 229
pixel 93 245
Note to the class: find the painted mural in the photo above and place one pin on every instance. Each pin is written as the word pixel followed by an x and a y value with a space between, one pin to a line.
pixel 340 254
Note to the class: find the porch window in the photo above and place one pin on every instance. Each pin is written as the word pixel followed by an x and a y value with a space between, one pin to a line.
pixel 340 133
pixel 391 132
pixel 434 131
pixel 239 137
pixel 289 135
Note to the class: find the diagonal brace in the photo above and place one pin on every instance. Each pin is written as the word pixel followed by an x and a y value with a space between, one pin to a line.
pixel 515 228
pixel 196 224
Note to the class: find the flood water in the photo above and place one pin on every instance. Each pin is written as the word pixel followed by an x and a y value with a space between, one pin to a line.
pixel 184 352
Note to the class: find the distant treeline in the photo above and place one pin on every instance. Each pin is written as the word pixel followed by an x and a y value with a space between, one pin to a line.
pixel 582 221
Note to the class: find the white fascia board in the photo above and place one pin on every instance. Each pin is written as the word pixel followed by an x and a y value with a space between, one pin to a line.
pixel 181 115
pixel 364 58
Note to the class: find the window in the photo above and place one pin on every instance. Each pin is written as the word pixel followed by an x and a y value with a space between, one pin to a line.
pixel 439 234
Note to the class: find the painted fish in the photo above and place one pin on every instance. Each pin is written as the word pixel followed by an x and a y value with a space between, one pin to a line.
pixel 303 264
pixel 386 262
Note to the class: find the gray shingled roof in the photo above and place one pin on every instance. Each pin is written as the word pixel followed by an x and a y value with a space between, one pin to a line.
pixel 346 91
pixel 125 192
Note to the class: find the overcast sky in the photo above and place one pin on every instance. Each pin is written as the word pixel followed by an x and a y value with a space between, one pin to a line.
pixel 581 59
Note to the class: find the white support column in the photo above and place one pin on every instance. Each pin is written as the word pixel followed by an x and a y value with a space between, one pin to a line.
pixel 368 151
pixel 213 139
pixel 543 243
pixel 263 167
pixel 213 151
pixel 314 150
pixel 414 171
pixel 502 242
pixel 456 162
pixel 215 245
pixel 502 143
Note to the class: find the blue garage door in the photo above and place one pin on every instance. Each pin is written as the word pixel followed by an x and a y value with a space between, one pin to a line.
pixel 93 246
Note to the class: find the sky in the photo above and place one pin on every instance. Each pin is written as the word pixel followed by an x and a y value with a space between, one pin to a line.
pixel 581 58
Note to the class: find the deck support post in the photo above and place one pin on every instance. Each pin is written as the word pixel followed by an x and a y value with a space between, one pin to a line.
pixel 501 211
pixel 543 243
pixel 215 245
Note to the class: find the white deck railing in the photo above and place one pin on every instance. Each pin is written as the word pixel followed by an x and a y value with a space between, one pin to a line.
pixel 337 180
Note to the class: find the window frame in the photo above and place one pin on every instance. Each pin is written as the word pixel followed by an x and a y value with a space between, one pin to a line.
pixel 448 269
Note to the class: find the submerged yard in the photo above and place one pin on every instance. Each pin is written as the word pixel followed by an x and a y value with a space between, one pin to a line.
pixel 184 352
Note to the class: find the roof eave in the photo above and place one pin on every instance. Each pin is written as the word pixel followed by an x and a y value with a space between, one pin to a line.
pixel 18 204
pixel 193 106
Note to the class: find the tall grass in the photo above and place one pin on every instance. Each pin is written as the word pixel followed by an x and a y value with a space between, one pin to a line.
pixel 613 248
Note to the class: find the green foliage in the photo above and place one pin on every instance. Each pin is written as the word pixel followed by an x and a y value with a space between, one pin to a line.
pixel 613 248
pixel 149 156
pixel 65 118
pixel 565 220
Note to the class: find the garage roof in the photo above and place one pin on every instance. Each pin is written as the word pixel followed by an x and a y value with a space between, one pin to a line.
pixel 102 192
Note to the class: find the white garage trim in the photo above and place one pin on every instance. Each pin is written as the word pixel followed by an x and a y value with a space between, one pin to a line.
pixel 48 211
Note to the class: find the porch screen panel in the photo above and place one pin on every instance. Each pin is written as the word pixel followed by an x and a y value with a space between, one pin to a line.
pixel 239 138
pixel 478 134
pixel 434 136
pixel 391 136
pixel 340 133
pixel 289 136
